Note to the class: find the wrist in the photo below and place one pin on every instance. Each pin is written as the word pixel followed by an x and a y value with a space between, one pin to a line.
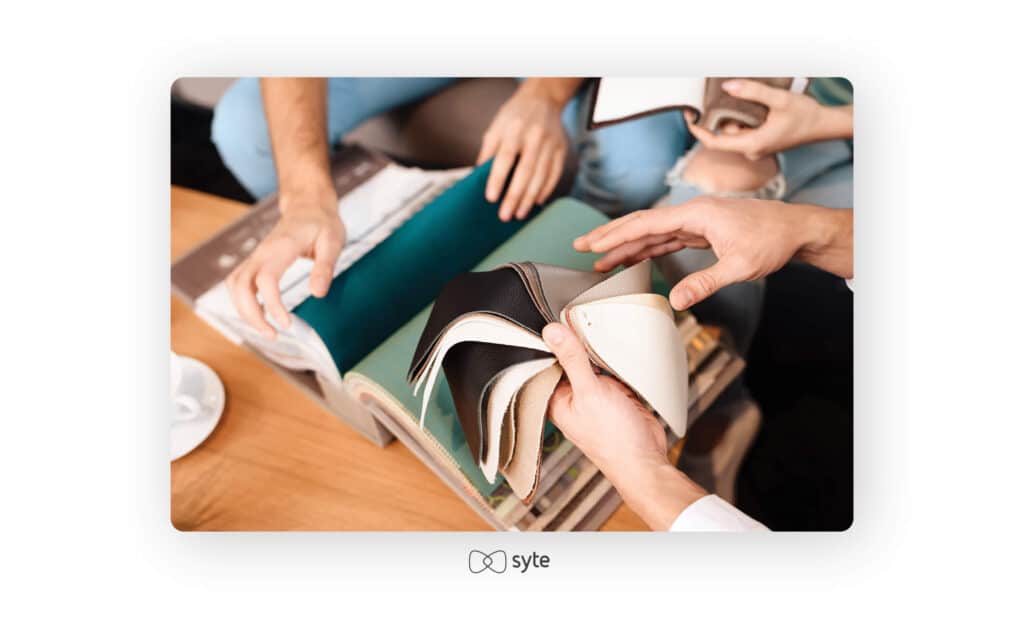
pixel 558 91
pixel 833 122
pixel 828 239
pixel 656 491
pixel 310 194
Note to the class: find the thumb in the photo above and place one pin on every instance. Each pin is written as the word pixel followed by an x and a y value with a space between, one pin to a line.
pixel 701 285
pixel 572 356
pixel 326 249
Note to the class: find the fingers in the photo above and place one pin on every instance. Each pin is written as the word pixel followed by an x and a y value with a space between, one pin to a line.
pixel 326 249
pixel 572 356
pixel 537 180
pixel 648 251
pixel 488 147
pixel 756 91
pixel 625 252
pixel 502 165
pixel 554 175
pixel 742 141
pixel 654 221
pixel 584 243
pixel 700 285
pixel 268 286
pixel 243 296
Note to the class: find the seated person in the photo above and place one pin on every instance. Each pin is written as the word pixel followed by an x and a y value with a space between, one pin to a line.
pixel 799 153
pixel 751 238
pixel 278 133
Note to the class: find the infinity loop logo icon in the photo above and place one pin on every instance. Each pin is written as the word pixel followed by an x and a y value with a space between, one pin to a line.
pixel 479 561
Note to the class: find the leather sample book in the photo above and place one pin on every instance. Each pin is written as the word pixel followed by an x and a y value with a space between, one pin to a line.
pixel 484 330
pixel 617 100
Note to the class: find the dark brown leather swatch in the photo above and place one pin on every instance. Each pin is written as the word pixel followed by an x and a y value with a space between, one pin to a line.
pixel 500 292
pixel 470 369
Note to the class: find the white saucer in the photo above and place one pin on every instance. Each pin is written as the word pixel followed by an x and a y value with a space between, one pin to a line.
pixel 203 384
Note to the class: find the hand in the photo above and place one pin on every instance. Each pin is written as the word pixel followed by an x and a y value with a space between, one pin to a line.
pixel 751 238
pixel 309 229
pixel 528 126
pixel 793 119
pixel 610 426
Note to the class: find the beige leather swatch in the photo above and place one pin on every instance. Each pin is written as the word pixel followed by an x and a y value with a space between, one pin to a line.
pixel 530 410
pixel 560 285
pixel 503 389
pixel 635 279
pixel 507 446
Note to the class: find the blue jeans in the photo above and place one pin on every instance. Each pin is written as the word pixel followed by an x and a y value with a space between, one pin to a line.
pixel 240 127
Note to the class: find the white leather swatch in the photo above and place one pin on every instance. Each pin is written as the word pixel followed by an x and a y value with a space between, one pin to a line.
pixel 482 328
pixel 635 337
pixel 502 391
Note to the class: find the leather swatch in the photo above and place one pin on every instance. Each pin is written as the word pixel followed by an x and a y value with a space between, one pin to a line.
pixel 529 409
pixel 499 398
pixel 721 107
pixel 501 292
pixel 650 358
pixel 471 368
pixel 484 332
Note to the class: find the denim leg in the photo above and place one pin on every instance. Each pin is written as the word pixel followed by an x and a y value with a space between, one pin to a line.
pixel 240 129
pixel 803 165
pixel 622 167
pixel 833 189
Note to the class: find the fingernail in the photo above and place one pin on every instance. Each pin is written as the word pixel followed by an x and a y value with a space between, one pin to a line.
pixel 683 301
pixel 731 85
pixel 553 334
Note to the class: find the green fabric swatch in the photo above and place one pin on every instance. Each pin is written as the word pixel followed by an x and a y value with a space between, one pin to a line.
pixel 379 292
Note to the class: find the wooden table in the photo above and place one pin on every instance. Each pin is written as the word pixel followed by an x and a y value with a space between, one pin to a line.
pixel 278 460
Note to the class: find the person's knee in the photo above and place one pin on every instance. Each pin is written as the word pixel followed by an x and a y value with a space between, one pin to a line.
pixel 239 131
pixel 619 186
pixel 623 167
pixel 716 171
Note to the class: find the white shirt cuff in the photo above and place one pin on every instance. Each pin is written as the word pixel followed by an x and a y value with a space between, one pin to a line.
pixel 711 513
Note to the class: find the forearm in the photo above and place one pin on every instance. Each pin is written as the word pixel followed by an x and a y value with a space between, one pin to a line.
pixel 296 110
pixel 835 122
pixel 828 242
pixel 658 494
pixel 558 90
